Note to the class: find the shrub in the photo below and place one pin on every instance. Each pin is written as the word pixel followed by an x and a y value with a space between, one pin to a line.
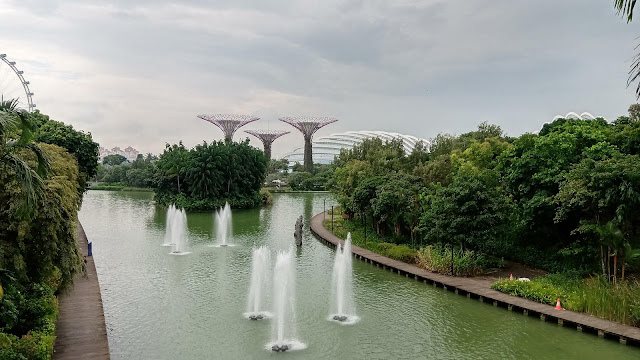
pixel 267 198
pixel 397 252
pixel 595 296
pixel 465 263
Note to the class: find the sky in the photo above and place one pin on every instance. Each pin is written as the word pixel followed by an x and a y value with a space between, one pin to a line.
pixel 139 72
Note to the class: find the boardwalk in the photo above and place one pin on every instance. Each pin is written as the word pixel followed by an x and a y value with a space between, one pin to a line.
pixel 81 332
pixel 479 288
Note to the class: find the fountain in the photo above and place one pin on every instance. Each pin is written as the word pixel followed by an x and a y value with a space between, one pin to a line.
pixel 171 213
pixel 178 231
pixel 259 286
pixel 342 308
pixel 284 331
pixel 223 226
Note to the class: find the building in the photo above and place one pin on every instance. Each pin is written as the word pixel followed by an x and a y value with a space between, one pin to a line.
pixel 129 153
pixel 326 148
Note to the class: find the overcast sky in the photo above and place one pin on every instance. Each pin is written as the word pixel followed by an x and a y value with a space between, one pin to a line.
pixel 138 72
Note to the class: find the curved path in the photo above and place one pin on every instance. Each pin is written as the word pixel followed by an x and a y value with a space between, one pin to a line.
pixel 480 289
pixel 81 332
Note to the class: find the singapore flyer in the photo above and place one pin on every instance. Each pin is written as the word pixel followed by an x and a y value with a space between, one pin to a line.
pixel 13 85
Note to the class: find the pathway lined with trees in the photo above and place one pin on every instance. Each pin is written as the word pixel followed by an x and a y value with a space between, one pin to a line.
pixel 480 288
pixel 81 331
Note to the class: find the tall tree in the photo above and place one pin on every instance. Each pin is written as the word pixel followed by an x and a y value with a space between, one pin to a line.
pixel 16 141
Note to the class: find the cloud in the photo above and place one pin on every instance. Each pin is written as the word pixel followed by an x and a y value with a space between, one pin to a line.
pixel 138 73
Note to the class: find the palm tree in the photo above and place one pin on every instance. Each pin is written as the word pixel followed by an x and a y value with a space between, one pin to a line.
pixel 625 8
pixel 16 136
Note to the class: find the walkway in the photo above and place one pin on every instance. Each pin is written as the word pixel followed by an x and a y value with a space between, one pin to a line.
pixel 81 332
pixel 480 289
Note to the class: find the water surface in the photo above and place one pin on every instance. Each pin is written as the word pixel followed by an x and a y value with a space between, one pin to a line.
pixel 159 306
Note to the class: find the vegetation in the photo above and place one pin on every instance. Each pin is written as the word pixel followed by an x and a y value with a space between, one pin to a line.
pixel 561 200
pixel 436 258
pixel 116 172
pixel 77 143
pixel 564 200
pixel 40 193
pixel 207 176
pixel 595 296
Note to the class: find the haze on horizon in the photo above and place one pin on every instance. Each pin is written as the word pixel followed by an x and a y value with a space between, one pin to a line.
pixel 138 73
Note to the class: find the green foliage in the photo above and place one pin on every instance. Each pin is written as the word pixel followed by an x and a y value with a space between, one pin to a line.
pixel 16 145
pixel 539 290
pixel 209 175
pixel 37 249
pixel 472 211
pixel 595 296
pixel 77 143
pixel 277 166
pixel 267 197
pixel 437 258
pixel 114 159
pixel 397 252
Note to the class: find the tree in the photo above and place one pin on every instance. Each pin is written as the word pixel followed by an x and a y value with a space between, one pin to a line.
pixel 634 112
pixel 206 176
pixel 114 159
pixel 395 201
pixel 472 211
pixel 16 142
pixel 604 194
pixel 78 143
pixel 42 248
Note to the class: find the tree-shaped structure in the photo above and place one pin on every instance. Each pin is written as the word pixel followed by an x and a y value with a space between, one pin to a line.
pixel 228 123
pixel 308 126
pixel 267 137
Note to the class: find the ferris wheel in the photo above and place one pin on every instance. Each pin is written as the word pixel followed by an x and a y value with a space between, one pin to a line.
pixel 13 85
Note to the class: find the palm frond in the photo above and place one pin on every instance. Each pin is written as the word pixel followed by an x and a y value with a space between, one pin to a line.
pixel 634 73
pixel 625 8
pixel 8 122
pixel 43 159
pixel 27 126
pixel 32 185
pixel 8 105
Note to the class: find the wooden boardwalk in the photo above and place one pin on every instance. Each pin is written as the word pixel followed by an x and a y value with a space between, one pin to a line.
pixel 81 332
pixel 479 288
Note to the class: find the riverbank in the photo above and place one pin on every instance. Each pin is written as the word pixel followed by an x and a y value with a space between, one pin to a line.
pixel 81 331
pixel 118 188
pixel 480 288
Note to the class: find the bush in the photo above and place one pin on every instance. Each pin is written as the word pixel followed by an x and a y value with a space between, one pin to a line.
pixel 436 258
pixel 267 198
pixel 595 296
pixel 397 252
pixel 536 290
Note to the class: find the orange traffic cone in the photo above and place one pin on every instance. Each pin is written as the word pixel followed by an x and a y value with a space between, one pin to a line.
pixel 558 307
pixel 511 277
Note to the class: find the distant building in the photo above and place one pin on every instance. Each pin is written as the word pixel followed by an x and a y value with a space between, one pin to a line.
pixel 327 147
pixel 129 153
pixel 575 116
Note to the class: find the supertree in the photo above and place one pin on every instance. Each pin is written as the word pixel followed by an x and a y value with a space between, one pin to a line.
pixel 308 126
pixel 267 137
pixel 228 123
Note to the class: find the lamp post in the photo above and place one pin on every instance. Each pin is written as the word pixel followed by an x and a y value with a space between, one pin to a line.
pixel 451 257
pixel 365 230
pixel 332 219
pixel 324 209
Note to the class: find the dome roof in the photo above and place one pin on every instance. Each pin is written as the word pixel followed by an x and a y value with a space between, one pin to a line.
pixel 325 148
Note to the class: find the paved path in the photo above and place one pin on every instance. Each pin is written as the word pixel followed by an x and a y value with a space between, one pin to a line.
pixel 81 332
pixel 479 288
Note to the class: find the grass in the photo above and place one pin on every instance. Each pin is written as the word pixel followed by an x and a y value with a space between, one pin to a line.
pixel 376 243
pixel 119 188
pixel 594 296
pixel 437 259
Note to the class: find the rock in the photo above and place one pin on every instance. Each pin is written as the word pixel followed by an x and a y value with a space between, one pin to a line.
pixel 297 234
